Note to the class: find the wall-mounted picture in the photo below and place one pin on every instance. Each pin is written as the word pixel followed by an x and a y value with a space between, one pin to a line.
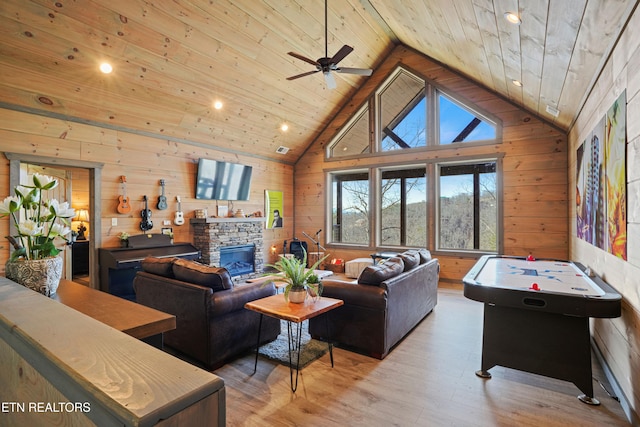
pixel 601 197
pixel 273 206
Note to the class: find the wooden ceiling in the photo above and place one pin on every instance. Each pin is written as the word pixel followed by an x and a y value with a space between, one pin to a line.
pixel 172 59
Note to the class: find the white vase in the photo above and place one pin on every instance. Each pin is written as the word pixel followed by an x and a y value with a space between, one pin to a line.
pixel 41 275
pixel 297 296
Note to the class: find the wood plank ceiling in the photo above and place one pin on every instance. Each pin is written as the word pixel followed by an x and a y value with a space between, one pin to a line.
pixel 172 59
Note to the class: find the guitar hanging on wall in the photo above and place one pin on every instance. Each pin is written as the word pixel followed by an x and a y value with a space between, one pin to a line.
pixel 162 199
pixel 146 223
pixel 179 218
pixel 123 201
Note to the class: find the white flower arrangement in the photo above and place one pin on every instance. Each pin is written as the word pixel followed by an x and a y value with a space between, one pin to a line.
pixel 43 221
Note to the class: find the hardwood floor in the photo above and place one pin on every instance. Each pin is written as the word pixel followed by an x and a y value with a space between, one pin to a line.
pixel 427 380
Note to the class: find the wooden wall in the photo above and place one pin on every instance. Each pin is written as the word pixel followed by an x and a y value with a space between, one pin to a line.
pixel 617 339
pixel 144 160
pixel 535 169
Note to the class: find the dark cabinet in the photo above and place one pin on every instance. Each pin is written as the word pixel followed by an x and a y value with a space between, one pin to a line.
pixel 80 258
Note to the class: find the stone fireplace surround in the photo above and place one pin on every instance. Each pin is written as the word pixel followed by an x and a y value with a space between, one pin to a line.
pixel 210 234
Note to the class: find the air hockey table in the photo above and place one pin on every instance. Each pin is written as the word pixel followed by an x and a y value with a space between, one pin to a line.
pixel 536 316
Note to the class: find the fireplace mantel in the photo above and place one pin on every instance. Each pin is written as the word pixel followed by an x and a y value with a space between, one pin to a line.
pixel 212 219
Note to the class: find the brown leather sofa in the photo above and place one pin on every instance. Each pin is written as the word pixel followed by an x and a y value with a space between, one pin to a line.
pixel 212 325
pixel 386 303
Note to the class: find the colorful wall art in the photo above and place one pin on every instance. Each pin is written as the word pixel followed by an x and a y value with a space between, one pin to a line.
pixel 601 196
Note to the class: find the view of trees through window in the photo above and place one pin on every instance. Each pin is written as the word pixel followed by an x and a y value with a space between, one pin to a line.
pixel 409 112
pixel 404 207
pixel 350 208
pixel 468 207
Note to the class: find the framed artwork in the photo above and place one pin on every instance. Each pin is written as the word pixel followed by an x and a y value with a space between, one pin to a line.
pixel 273 207
pixel 601 193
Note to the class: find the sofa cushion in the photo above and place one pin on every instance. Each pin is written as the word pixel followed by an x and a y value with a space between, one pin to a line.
pixel 376 274
pixel 425 255
pixel 160 266
pixel 411 259
pixel 216 278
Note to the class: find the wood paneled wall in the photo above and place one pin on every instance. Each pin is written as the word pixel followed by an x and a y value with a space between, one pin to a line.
pixel 618 339
pixel 534 160
pixel 144 160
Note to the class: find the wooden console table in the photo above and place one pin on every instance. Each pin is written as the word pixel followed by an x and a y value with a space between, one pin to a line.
pixel 139 321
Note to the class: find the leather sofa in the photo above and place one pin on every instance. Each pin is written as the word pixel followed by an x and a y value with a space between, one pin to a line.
pixel 212 325
pixel 386 303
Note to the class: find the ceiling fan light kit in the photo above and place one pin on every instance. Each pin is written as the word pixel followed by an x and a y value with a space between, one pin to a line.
pixel 326 65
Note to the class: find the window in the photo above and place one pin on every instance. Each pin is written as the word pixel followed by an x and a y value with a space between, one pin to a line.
pixel 403 207
pixel 403 113
pixel 458 124
pixel 355 139
pixel 468 214
pixel 350 208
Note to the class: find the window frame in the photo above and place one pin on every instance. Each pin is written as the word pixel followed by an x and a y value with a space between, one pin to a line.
pixel 497 159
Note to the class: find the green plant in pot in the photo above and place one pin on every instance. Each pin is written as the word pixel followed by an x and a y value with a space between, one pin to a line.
pixel 299 279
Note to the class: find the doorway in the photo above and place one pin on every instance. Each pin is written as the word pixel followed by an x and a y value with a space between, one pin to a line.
pixel 87 175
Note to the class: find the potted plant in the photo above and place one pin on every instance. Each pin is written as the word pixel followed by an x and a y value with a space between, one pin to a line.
pixel 40 223
pixel 124 239
pixel 298 278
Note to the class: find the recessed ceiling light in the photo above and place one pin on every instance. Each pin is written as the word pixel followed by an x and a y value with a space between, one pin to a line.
pixel 106 68
pixel 217 105
pixel 284 127
pixel 516 83
pixel 513 18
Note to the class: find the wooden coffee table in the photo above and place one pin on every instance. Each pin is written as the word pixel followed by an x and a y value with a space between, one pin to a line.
pixel 137 320
pixel 276 306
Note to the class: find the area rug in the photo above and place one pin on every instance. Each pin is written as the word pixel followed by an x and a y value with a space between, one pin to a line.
pixel 278 349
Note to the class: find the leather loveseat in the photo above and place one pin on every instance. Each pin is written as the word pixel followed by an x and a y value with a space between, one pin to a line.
pixel 386 303
pixel 212 325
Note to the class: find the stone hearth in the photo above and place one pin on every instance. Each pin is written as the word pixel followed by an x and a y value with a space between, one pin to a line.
pixel 210 234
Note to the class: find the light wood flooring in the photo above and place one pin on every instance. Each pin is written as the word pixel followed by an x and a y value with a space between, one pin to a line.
pixel 427 380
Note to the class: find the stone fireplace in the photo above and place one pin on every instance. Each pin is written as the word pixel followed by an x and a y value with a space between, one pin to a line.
pixel 211 235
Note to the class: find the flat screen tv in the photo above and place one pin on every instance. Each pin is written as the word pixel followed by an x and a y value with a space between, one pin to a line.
pixel 222 180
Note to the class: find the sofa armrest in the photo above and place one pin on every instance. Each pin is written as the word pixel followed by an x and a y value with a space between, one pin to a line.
pixel 235 299
pixel 355 294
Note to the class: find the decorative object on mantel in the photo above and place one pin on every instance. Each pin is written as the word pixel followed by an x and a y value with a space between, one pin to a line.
pixel 239 213
pixel 300 280
pixel 200 213
pixel 34 262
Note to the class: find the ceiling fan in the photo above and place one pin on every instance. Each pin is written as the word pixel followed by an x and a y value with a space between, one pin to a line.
pixel 326 64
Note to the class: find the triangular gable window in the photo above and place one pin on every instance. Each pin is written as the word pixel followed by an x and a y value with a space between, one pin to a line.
pixel 459 124
pixel 355 138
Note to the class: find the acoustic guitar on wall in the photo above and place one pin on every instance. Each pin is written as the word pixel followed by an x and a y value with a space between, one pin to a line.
pixel 146 223
pixel 179 218
pixel 124 205
pixel 162 199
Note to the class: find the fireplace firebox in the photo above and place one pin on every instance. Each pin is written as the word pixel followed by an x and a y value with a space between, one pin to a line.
pixel 239 259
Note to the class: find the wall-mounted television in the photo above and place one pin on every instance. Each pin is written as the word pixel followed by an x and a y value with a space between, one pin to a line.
pixel 223 180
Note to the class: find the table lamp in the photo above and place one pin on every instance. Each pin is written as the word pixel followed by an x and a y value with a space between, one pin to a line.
pixel 83 215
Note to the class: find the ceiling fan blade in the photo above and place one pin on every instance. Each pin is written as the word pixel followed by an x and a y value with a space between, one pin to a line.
pixel 339 56
pixel 297 76
pixel 330 80
pixel 359 71
pixel 303 58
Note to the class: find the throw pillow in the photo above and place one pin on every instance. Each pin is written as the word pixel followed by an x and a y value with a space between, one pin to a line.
pixel 425 255
pixel 376 274
pixel 216 278
pixel 410 258
pixel 160 266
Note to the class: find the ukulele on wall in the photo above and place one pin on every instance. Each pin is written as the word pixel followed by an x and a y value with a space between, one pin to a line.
pixel 146 223
pixel 123 201
pixel 179 218
pixel 162 199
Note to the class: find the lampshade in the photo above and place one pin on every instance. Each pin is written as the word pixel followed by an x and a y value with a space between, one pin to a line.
pixel 83 215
